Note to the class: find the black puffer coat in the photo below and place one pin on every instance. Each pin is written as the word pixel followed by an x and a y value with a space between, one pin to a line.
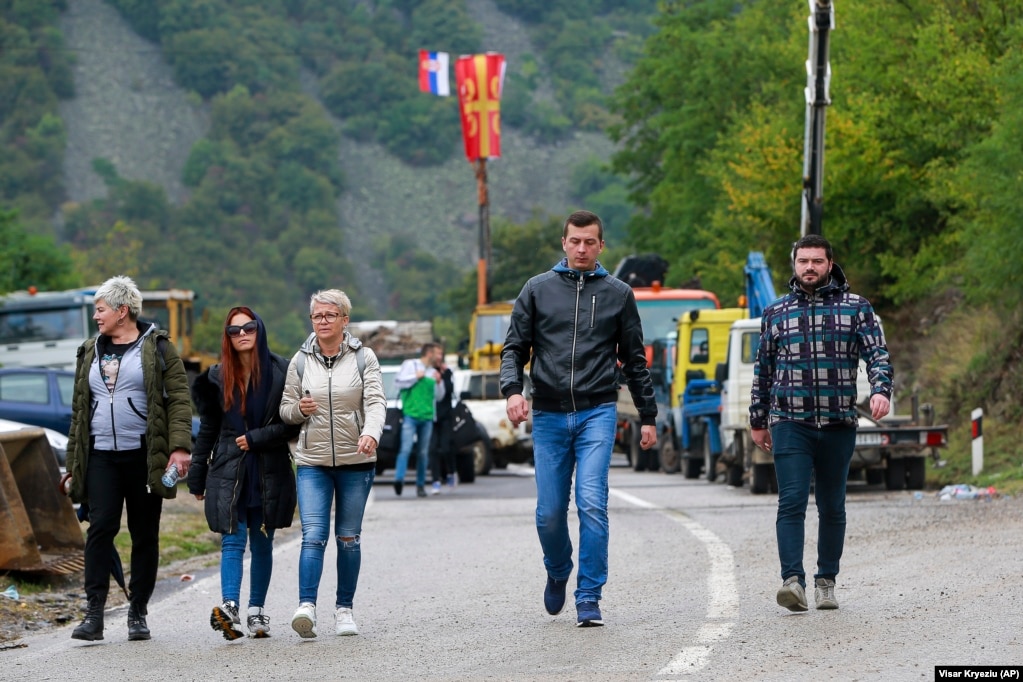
pixel 218 464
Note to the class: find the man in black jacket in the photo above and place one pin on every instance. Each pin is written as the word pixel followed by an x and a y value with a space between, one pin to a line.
pixel 442 447
pixel 580 329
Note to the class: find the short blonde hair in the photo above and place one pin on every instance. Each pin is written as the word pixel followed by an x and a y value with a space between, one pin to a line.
pixel 334 297
pixel 118 291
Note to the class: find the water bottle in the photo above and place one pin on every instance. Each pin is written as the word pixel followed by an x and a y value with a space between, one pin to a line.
pixel 170 477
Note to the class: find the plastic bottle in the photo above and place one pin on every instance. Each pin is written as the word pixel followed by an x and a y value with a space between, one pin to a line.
pixel 170 477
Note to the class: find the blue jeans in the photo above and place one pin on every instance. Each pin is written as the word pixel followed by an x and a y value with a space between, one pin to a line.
pixel 318 488
pixel 419 430
pixel 563 442
pixel 232 551
pixel 802 451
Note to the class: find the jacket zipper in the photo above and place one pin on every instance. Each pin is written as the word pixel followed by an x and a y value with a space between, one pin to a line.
pixel 575 338
pixel 233 521
pixel 330 410
pixel 113 430
pixel 813 357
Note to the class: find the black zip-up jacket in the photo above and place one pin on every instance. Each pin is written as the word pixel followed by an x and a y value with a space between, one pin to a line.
pixel 574 328
pixel 218 464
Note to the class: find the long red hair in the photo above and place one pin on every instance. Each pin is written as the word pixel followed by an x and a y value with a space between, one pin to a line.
pixel 231 368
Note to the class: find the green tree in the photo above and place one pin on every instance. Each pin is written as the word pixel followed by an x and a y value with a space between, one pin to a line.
pixel 675 107
pixel 445 21
pixel 31 259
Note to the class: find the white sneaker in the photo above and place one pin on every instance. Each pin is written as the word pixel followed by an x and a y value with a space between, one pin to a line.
pixel 345 622
pixel 435 488
pixel 258 622
pixel 304 620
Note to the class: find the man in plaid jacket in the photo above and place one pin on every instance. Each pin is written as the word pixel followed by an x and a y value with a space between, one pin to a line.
pixel 803 408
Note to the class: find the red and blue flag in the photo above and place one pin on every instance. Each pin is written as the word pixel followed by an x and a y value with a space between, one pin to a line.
pixel 433 73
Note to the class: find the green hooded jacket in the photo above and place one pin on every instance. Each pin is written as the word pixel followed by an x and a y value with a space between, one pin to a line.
pixel 169 424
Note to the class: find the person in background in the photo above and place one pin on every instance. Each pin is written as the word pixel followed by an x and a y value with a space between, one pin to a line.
pixel 576 324
pixel 803 408
pixel 335 391
pixel 420 390
pixel 442 447
pixel 131 419
pixel 241 465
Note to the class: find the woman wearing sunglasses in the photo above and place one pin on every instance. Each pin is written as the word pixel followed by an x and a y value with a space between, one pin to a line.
pixel 335 391
pixel 241 465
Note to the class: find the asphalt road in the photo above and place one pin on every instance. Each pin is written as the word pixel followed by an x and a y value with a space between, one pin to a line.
pixel 451 590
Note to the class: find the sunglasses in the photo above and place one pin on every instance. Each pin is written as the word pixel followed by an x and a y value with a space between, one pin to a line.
pixel 234 330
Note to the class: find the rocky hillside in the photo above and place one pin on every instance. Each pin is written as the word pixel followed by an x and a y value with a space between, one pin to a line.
pixel 129 110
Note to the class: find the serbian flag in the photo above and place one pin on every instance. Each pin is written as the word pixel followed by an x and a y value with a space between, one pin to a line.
pixel 433 73
pixel 479 78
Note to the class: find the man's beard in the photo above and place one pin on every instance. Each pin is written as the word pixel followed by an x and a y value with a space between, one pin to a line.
pixel 820 281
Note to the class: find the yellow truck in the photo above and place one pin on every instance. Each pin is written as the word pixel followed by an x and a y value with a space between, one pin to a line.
pixel 487 330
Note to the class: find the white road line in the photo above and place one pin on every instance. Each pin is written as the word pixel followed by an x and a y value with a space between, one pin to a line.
pixel 723 604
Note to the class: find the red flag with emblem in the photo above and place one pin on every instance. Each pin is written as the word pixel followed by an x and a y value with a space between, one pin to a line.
pixel 478 78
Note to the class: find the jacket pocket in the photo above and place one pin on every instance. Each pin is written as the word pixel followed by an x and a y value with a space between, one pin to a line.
pixel 135 410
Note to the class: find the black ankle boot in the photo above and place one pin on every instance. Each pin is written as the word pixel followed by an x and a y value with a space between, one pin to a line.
pixel 137 628
pixel 91 628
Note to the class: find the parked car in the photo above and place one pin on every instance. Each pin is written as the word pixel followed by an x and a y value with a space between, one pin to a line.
pixel 58 441
pixel 41 396
pixel 37 396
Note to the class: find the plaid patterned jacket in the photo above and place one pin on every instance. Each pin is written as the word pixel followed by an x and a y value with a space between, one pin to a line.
pixel 810 346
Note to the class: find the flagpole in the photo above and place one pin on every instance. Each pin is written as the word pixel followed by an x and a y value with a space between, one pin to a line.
pixel 483 266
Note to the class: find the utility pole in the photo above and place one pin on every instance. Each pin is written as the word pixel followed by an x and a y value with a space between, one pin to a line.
pixel 483 265
pixel 818 97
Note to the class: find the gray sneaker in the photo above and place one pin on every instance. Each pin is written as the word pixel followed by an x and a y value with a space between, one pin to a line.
pixel 824 594
pixel 791 594
pixel 258 622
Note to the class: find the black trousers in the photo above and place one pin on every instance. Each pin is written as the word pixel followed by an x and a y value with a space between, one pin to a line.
pixel 442 449
pixel 116 480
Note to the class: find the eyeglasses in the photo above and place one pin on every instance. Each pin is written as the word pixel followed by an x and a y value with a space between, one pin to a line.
pixel 329 317
pixel 234 330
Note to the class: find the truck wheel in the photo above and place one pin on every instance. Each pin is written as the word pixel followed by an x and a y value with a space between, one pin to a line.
pixel 474 460
pixel 668 454
pixel 694 465
pixel 895 474
pixel 734 475
pixel 916 472
pixel 875 476
pixel 637 455
pixel 760 478
pixel 710 461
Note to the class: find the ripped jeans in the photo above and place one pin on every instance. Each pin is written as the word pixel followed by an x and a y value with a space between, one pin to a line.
pixel 318 489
